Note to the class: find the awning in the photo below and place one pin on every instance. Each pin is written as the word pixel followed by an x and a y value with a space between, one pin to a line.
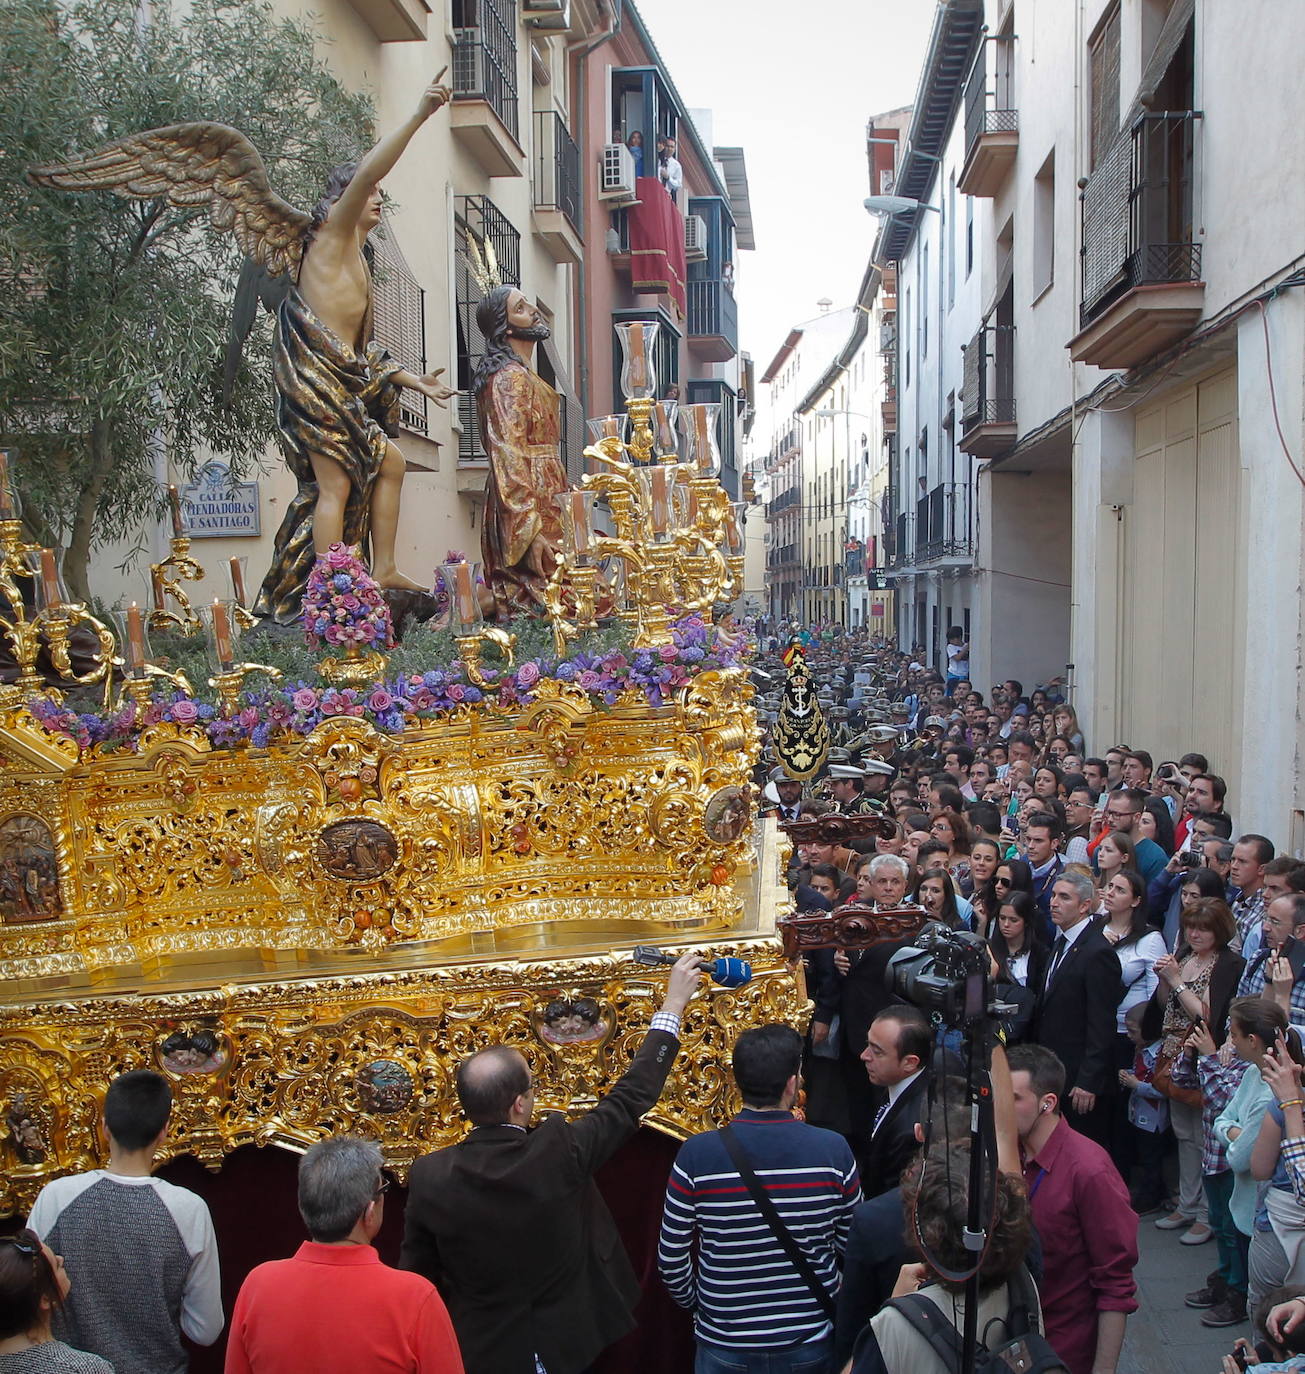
pixel 1167 45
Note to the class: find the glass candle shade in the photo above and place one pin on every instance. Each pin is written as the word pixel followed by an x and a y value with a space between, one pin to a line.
pixel 655 481
pixel 577 509
pixel 608 427
pixel 42 566
pixel 638 339
pixel 223 633
pixel 174 510
pixel 665 441
pixel 734 527
pixel 459 580
pixel 698 425
pixel 238 568
pixel 133 636
pixel 684 499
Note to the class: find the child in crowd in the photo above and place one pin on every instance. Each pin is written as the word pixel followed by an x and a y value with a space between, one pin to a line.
pixel 1148 1115
pixel 1283 1350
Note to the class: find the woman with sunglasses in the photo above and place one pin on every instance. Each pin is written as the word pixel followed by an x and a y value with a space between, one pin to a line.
pixel 33 1285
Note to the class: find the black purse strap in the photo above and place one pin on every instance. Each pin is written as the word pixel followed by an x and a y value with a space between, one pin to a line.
pixel 770 1212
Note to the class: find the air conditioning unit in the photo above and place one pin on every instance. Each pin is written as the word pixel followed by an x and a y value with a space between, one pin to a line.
pixel 695 238
pixel 618 173
pixel 552 15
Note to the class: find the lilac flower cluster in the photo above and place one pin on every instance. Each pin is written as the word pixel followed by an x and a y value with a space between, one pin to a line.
pixel 295 709
pixel 343 604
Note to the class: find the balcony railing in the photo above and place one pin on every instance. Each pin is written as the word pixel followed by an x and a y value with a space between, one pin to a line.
pixel 943 523
pixel 987 391
pixel 1138 214
pixel 557 167
pixel 902 554
pixel 713 314
pixel 991 125
pixel 485 60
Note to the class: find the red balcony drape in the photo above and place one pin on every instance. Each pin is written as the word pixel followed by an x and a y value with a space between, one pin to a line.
pixel 657 243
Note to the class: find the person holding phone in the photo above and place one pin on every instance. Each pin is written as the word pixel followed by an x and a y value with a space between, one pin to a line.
pixel 1277 969
pixel 1277 1255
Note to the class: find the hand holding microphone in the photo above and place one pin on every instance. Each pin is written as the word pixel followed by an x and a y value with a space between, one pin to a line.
pixel 726 973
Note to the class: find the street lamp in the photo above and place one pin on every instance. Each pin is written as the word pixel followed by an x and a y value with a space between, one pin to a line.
pixel 897 205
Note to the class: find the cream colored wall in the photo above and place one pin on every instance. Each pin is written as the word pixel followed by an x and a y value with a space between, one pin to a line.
pixel 434 169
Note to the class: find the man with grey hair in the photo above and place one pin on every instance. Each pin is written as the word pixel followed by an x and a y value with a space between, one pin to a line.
pixel 474 1205
pixel 334 1308
pixel 1075 1016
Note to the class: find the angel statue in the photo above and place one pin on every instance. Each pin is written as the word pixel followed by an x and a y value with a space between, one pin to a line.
pixel 337 390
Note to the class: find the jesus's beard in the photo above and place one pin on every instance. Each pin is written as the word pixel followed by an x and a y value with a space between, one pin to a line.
pixel 536 333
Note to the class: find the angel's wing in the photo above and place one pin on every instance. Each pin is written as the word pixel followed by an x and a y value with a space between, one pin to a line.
pixel 195 165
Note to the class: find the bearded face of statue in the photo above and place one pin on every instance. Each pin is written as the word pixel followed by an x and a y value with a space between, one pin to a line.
pixel 524 321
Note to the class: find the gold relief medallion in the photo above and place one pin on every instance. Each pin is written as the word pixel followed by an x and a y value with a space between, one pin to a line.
pixel 383 1086
pixel 29 870
pixel 727 814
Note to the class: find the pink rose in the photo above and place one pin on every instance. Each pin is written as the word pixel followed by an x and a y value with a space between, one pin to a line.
pixel 527 675
pixel 589 680
pixel 380 700
pixel 248 718
pixel 456 692
pixel 305 699
pixel 668 652
pixel 185 712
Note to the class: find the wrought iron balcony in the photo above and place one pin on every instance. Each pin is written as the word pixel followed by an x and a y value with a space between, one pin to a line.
pixel 943 523
pixel 557 186
pixel 901 554
pixel 987 392
pixel 992 129
pixel 1142 288
pixel 713 328
pixel 484 109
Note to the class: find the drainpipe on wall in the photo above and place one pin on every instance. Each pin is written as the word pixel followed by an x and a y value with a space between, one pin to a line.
pixel 581 107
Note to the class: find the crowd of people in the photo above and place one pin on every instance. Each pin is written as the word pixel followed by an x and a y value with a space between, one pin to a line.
pixel 1146 974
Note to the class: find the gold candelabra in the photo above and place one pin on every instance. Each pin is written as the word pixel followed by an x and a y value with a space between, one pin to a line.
pixel 673 531
pixel 166 578
pixel 51 625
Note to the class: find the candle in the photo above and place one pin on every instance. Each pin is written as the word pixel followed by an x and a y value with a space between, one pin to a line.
pixel 7 511
pixel 222 636
pixel 178 529
pixel 701 438
pixel 691 508
pixel 580 534
pixel 135 641
pixel 663 427
pixel 156 580
pixel 49 579
pixel 466 592
pixel 238 581
pixel 659 499
pixel 638 358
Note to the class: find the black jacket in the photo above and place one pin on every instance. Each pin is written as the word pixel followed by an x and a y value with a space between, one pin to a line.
pixel 1076 1013
pixel 510 1227
pixel 892 1145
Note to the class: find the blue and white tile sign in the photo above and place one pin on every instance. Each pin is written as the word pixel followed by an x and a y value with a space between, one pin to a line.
pixel 214 507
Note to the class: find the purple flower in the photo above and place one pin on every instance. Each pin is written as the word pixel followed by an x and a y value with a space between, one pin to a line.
pixel 590 680
pixel 566 672
pixel 457 692
pixel 260 735
pixel 527 675
pixel 380 700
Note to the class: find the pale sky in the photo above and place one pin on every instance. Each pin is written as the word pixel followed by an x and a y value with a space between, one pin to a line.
pixel 793 85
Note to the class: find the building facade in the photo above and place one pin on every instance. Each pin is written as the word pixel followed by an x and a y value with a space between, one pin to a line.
pixel 1130 379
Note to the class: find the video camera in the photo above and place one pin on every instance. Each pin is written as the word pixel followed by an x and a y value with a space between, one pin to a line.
pixel 945 974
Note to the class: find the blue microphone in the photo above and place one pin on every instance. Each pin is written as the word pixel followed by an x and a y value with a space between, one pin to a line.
pixel 726 973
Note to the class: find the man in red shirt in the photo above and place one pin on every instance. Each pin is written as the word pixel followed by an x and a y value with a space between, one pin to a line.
pixel 1080 1208
pixel 334 1308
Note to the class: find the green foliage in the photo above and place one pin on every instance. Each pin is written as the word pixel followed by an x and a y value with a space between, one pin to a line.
pixel 113 313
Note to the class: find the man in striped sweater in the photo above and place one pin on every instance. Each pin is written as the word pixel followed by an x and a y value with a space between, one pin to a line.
pixel 752 1306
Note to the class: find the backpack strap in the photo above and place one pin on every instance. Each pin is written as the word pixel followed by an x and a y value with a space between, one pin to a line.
pixel 781 1232
pixel 925 1317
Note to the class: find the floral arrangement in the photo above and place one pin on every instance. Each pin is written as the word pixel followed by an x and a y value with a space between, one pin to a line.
pixel 292 709
pixel 343 604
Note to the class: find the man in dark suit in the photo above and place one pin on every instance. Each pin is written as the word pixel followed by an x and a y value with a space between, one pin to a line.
pixel 1076 1012
pixel 897 1051
pixel 509 1223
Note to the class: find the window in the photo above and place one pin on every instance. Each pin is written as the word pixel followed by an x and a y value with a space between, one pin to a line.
pixel 485 55
pixel 924 302
pixel 1044 225
pixel 399 321
pixel 479 222
pixel 1103 87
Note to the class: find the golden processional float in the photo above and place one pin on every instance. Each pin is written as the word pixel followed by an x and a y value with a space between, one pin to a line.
pixel 306 902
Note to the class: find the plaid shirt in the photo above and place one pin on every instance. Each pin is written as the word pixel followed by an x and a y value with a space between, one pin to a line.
pixel 1293 1160
pixel 1249 915
pixel 1253 983
pixel 1218 1084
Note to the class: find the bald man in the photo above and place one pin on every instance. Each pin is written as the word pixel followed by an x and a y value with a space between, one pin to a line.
pixel 509 1224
